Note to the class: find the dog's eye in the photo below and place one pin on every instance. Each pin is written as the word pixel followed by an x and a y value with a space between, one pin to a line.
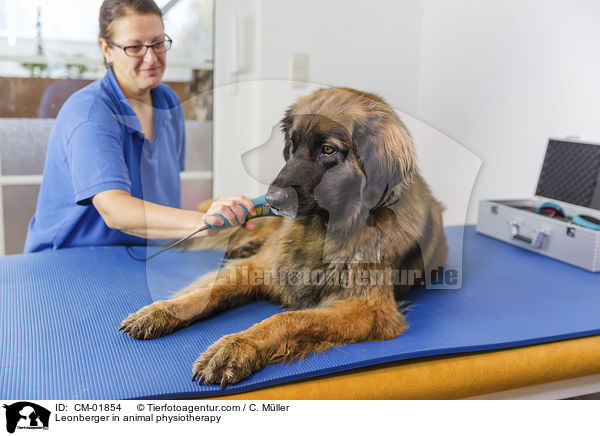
pixel 328 149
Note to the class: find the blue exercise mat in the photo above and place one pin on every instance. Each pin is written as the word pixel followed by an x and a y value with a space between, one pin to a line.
pixel 60 311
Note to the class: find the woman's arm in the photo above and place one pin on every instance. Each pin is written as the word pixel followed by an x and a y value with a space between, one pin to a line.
pixel 137 217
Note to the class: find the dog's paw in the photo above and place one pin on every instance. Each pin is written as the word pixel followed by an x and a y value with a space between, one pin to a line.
pixel 229 360
pixel 150 322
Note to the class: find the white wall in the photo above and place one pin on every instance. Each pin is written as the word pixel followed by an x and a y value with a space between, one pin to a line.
pixel 365 45
pixel 370 45
pixel 498 77
pixel 235 110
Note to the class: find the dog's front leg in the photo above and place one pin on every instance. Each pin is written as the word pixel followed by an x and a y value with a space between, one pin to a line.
pixel 295 334
pixel 211 293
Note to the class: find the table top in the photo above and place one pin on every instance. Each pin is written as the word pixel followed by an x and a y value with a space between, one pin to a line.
pixel 60 312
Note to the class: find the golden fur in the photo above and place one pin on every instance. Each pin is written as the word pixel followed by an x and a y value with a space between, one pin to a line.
pixel 359 210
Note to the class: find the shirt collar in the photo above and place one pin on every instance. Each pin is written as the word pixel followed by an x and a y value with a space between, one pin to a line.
pixel 125 113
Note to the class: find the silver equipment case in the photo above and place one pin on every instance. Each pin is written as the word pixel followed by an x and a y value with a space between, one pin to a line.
pixel 570 179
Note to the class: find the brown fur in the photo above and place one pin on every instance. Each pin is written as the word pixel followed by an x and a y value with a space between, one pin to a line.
pixel 360 210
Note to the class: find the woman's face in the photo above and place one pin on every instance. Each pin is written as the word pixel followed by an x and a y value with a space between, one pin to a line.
pixel 136 75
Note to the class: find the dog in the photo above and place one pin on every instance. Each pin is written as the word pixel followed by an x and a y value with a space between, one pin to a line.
pixel 352 204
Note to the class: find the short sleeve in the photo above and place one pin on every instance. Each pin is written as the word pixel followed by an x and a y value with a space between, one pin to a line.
pixel 182 143
pixel 96 161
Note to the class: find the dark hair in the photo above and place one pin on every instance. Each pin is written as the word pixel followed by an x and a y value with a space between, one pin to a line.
pixel 112 10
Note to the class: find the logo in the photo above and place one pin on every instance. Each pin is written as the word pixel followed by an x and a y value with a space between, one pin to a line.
pixel 25 415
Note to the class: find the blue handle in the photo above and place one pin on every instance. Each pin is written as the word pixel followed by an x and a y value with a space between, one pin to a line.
pixel 262 209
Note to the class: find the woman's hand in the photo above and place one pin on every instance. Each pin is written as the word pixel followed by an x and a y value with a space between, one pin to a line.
pixel 229 207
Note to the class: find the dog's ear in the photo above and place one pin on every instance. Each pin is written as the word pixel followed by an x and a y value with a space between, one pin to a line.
pixel 386 155
pixel 286 124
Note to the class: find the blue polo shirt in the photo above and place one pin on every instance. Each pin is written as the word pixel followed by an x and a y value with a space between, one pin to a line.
pixel 96 145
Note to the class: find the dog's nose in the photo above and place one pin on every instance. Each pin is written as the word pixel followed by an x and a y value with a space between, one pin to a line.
pixel 284 201
pixel 277 197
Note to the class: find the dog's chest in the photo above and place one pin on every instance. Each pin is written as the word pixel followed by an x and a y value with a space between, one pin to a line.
pixel 304 278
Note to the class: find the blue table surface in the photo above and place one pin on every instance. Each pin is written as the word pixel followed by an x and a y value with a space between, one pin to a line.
pixel 60 313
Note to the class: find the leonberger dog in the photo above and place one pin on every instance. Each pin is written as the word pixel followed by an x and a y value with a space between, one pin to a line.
pixel 353 209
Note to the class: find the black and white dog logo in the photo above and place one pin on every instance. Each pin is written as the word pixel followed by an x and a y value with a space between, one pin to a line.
pixel 26 415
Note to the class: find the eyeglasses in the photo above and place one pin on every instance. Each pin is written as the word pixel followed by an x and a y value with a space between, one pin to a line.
pixel 140 50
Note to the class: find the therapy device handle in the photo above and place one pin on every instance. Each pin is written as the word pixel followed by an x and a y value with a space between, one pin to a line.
pixel 262 209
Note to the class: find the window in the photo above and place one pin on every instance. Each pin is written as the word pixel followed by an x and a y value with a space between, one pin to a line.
pixel 44 58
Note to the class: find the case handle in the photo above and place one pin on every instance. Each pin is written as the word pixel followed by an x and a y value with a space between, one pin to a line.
pixel 538 234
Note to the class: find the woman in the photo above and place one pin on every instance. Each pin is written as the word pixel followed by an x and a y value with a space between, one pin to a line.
pixel 111 175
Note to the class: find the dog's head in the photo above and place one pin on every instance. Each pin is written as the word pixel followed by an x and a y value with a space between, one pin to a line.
pixel 345 152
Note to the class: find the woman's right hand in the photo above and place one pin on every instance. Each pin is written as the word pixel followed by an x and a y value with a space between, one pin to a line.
pixel 230 209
